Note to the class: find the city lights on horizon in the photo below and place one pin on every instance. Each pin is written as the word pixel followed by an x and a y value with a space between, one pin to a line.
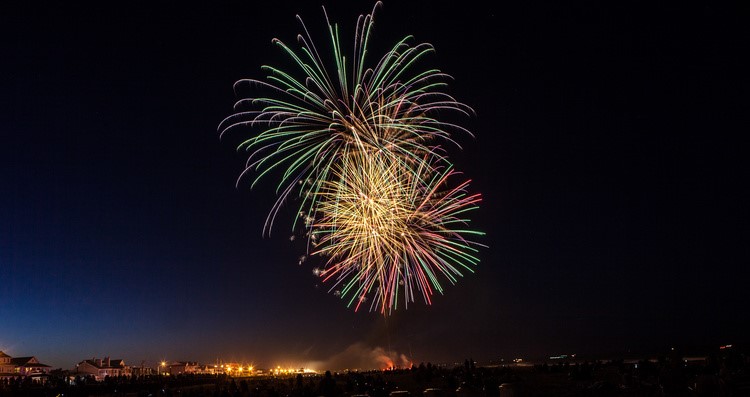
pixel 245 368
pixel 236 369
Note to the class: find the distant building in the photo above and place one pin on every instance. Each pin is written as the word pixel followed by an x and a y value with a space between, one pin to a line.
pixel 29 366
pixel 21 366
pixel 101 368
pixel 142 370
pixel 208 369
pixel 6 367
pixel 182 367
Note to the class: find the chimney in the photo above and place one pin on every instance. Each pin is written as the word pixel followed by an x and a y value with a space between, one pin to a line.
pixel 106 361
pixel 98 362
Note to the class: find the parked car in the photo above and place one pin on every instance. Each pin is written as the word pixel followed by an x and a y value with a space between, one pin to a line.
pixel 434 392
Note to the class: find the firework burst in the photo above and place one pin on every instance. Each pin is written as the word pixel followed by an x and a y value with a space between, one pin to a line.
pixel 359 146
pixel 323 108
pixel 393 232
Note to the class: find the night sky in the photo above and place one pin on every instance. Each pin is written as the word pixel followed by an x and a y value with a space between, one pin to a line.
pixel 607 148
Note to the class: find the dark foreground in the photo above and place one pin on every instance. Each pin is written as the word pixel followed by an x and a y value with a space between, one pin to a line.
pixel 668 377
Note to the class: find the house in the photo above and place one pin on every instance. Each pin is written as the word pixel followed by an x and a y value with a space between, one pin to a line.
pixel 101 368
pixel 6 367
pixel 21 366
pixel 29 366
pixel 182 367
pixel 142 370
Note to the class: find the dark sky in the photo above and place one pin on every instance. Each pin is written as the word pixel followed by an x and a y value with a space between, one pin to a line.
pixel 608 151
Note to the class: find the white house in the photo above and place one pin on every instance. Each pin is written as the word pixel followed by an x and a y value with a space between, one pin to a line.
pixel 21 366
pixel 182 367
pixel 101 368
pixel 29 366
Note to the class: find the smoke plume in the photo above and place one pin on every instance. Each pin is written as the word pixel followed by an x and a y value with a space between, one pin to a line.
pixel 360 357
